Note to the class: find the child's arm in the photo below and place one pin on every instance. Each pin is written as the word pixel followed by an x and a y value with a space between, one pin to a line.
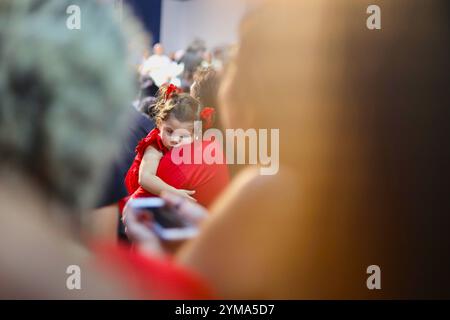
pixel 148 179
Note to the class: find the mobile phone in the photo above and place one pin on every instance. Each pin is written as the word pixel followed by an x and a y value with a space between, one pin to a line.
pixel 167 224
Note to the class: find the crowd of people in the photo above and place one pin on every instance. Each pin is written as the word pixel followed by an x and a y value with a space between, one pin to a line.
pixel 178 68
pixel 363 177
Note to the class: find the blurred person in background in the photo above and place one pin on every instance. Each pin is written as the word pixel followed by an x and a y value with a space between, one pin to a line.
pixel 161 68
pixel 146 106
pixel 158 60
pixel 207 59
pixel 62 121
pixel 148 88
pixel 105 223
pixel 363 118
pixel 191 60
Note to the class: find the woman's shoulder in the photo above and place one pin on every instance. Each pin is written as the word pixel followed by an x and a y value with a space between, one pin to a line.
pixel 250 188
pixel 264 213
pixel 252 179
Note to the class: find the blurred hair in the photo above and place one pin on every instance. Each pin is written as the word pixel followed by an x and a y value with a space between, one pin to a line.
pixel 146 105
pixel 63 94
pixel 206 89
pixel 363 116
pixel 147 87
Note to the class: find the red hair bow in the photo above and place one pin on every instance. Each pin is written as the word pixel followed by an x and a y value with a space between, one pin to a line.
pixel 207 116
pixel 171 88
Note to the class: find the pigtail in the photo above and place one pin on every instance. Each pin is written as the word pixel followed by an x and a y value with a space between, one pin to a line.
pixel 165 93
pixel 153 110
pixel 168 91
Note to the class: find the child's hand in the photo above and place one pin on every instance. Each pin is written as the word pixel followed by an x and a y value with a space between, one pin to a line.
pixel 186 193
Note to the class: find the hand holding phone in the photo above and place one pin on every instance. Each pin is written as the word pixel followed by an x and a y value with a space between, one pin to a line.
pixel 167 223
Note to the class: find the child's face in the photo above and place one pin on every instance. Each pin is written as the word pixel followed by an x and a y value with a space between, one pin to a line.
pixel 175 133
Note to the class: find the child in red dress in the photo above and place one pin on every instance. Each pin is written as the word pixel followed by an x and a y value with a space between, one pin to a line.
pixel 174 114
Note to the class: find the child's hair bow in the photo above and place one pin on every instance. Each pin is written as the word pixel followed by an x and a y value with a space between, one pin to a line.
pixel 171 88
pixel 207 116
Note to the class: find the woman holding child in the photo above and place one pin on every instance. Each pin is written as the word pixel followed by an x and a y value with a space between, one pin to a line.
pixel 153 171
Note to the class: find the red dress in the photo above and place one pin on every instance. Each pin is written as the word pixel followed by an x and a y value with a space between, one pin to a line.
pixel 208 180
pixel 152 139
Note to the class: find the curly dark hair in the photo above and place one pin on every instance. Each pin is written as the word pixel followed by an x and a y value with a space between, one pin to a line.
pixel 181 105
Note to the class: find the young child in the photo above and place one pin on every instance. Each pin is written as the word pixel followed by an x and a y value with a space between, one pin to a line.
pixel 174 114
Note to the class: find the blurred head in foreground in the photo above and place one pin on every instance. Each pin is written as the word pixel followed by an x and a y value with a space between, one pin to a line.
pixel 63 94
pixel 63 107
pixel 362 117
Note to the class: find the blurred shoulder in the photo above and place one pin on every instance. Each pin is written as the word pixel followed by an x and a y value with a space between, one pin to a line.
pixel 250 189
pixel 252 179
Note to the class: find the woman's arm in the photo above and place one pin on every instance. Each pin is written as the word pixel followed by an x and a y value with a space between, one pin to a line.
pixel 152 183
pixel 248 246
